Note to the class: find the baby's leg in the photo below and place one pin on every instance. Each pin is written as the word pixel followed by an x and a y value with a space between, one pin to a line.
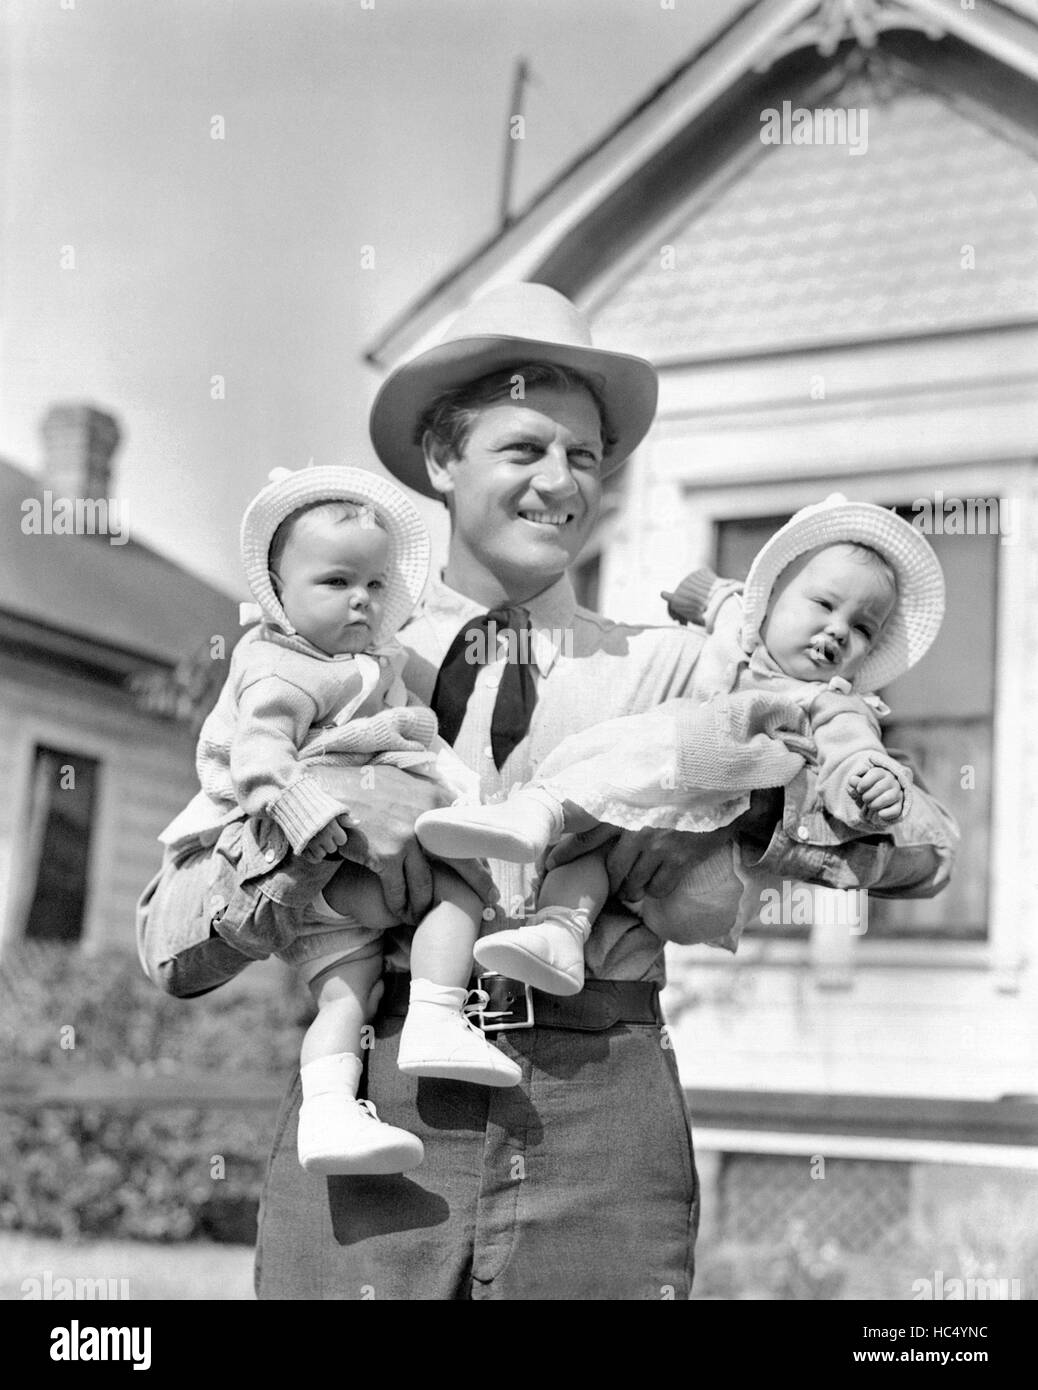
pixel 337 1133
pixel 438 1039
pixel 548 952
pixel 582 885
pixel 442 947
pixel 345 1001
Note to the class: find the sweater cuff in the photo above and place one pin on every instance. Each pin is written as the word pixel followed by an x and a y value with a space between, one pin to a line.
pixel 688 603
pixel 302 810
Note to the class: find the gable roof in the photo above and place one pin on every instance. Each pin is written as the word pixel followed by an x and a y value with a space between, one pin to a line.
pixel 695 122
pixel 117 606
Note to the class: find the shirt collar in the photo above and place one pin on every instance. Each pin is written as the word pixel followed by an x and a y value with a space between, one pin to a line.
pixel 551 616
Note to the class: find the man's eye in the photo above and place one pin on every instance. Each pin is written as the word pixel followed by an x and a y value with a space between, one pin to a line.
pixel 824 603
pixel 866 632
pixel 376 584
pixel 585 458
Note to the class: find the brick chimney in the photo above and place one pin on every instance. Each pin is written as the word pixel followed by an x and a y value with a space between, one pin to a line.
pixel 79 442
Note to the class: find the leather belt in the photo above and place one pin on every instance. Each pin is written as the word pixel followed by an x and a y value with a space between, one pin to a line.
pixel 601 1004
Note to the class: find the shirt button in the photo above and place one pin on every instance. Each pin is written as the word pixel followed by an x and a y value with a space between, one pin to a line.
pixel 802 832
pixel 270 856
pixel 488 752
pixel 489 914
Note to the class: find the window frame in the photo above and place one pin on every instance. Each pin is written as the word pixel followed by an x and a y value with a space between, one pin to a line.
pixel 31 734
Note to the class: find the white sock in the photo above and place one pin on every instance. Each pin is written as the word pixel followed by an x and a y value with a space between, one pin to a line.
pixel 337 1074
pixel 447 996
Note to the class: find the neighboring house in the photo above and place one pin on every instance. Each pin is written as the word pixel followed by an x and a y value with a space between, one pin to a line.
pixel 862 317
pixel 95 639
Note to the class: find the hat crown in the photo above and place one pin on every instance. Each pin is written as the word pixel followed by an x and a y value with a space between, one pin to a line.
pixel 536 312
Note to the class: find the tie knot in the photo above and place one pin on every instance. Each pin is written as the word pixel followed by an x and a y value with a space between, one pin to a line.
pixel 515 624
pixel 509 619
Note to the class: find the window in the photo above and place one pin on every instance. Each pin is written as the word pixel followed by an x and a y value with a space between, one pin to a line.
pixel 61 811
pixel 941 715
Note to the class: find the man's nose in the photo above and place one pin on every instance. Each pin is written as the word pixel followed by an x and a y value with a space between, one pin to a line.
pixel 837 627
pixel 554 477
pixel 359 597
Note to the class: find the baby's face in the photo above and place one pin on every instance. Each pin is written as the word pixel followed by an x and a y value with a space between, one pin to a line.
pixel 331 581
pixel 826 613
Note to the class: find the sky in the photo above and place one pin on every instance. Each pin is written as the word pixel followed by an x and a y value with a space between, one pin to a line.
pixel 345 124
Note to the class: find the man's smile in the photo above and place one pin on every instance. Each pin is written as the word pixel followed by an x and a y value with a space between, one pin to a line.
pixel 545 518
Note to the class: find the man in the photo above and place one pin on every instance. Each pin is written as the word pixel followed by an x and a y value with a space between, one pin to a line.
pixel 580 1183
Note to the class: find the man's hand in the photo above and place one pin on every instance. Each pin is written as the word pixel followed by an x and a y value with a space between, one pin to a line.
pixel 641 863
pixel 384 804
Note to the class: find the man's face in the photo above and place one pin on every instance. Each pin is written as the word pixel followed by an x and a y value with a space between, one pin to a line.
pixel 526 490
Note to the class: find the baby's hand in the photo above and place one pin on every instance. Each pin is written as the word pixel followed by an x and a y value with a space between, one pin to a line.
pixel 879 792
pixel 326 842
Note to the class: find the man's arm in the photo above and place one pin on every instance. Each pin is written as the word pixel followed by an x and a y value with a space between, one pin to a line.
pixel 200 922
pixel 912 858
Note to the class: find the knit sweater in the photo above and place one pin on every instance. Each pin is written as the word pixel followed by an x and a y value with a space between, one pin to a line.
pixel 284 703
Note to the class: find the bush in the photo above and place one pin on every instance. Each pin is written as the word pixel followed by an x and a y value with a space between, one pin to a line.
pixel 162 1174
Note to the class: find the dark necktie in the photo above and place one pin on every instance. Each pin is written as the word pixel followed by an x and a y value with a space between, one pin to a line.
pixel 474 646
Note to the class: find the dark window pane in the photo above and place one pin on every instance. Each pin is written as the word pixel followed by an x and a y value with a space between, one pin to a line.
pixel 61 820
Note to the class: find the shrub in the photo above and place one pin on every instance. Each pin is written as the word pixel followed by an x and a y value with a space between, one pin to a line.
pixel 74 1171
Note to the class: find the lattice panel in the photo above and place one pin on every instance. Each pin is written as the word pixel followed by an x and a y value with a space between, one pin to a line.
pixel 860 1205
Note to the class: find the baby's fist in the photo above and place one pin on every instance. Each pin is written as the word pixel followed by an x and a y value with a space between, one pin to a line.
pixel 325 843
pixel 879 792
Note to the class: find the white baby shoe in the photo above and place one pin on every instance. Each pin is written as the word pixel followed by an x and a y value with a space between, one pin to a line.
pixel 547 953
pixel 339 1134
pixel 518 830
pixel 438 1039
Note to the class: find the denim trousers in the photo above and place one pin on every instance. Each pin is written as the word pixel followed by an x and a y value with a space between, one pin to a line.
pixel 579 1183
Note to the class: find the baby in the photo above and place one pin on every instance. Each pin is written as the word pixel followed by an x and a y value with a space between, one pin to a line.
pixel 842 600
pixel 336 559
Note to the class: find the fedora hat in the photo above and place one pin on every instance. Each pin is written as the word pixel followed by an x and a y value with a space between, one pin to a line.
pixel 514 324
pixel 918 612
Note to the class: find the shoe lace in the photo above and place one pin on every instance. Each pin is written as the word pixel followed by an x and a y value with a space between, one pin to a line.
pixel 476 1003
pixel 368 1107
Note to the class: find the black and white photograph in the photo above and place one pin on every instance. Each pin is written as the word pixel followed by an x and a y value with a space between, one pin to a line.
pixel 544 493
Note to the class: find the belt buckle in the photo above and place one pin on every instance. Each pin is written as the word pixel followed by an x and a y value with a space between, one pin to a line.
pixel 488 1017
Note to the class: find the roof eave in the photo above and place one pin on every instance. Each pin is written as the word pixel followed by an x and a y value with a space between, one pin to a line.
pixel 749 43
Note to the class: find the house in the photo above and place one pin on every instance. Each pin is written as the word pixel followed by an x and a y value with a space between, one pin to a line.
pixel 105 647
pixel 821 227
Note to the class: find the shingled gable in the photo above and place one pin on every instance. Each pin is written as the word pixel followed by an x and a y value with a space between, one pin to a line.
pixel 120 608
pixel 702 125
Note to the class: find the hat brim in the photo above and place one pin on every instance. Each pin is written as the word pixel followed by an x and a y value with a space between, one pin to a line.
pixel 628 386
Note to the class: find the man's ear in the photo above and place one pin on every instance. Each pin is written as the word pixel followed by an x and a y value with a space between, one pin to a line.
pixel 437 460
